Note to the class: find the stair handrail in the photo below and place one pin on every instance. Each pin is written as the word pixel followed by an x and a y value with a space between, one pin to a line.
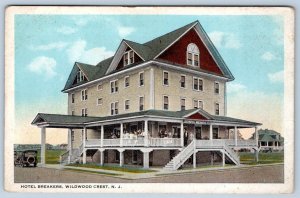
pixel 64 157
pixel 180 157
pixel 233 154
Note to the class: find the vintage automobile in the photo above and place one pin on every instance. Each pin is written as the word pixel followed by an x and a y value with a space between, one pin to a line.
pixel 25 158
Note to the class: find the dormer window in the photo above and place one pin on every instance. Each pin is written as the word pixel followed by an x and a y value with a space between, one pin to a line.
pixel 128 58
pixel 192 55
pixel 80 76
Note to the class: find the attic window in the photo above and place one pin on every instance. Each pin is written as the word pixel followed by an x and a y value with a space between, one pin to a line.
pixel 128 57
pixel 192 55
pixel 80 76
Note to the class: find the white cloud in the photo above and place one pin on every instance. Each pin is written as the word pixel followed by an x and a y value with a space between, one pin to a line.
pixel 56 45
pixel 225 40
pixel 66 30
pixel 125 31
pixel 235 87
pixel 78 52
pixel 268 56
pixel 43 65
pixel 276 77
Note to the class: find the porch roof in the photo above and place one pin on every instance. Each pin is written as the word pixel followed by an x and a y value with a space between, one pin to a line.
pixel 65 121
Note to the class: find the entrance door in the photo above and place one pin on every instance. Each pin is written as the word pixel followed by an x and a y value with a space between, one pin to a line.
pixel 198 131
pixel 215 133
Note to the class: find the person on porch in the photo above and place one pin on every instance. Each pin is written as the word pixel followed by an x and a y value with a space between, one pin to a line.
pixel 185 136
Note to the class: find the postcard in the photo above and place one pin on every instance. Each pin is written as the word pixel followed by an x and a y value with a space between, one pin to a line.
pixel 149 99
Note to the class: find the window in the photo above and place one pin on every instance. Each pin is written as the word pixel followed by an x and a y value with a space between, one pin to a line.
pixel 182 82
pixel 72 136
pixel 114 86
pixel 127 103
pixel 128 58
pixel 217 88
pixel 197 84
pixel 217 109
pixel 84 112
pixel 99 101
pixel 166 102
pixel 141 103
pixel 114 108
pixel 198 104
pixel 182 103
pixel 72 98
pixel 84 95
pixel 72 112
pixel 99 87
pixel 192 55
pixel 126 81
pixel 142 79
pixel 80 76
pixel 166 78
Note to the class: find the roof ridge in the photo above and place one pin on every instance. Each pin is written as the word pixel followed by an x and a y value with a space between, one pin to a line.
pixel 193 23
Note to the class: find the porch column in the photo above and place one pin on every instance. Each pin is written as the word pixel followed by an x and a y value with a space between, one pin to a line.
pixel 102 135
pixel 101 157
pixel 194 159
pixel 84 137
pixel 146 159
pixel 181 134
pixel 121 157
pixel 210 132
pixel 235 135
pixel 223 158
pixel 256 155
pixel 84 156
pixel 256 136
pixel 121 136
pixel 69 145
pixel 146 134
pixel 43 146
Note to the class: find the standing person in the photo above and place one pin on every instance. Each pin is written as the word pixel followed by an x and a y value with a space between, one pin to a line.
pixel 185 137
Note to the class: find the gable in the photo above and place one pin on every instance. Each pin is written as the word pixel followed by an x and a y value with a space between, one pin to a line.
pixel 177 53
pixel 137 59
pixel 197 116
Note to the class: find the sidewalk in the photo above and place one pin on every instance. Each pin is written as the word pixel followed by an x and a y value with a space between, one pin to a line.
pixel 159 171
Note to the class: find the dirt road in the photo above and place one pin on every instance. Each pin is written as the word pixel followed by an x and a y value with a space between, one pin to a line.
pixel 261 174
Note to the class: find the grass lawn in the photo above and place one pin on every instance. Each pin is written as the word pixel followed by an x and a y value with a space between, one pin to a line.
pixel 264 158
pixel 89 171
pixel 114 168
pixel 52 156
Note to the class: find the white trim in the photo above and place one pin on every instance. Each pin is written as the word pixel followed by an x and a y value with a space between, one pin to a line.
pixel 183 98
pixel 84 112
pixel 125 81
pixel 128 56
pixel 215 104
pixel 145 64
pixel 216 82
pixel 197 100
pixel 151 94
pixel 125 105
pixel 80 69
pixel 193 56
pixel 198 80
pixel 97 102
pixel 113 81
pixel 142 96
pixel 100 84
pixel 139 83
pixel 185 81
pixel 72 98
pixel 225 99
pixel 84 95
pixel 134 50
pixel 175 40
pixel 163 102
pixel 163 78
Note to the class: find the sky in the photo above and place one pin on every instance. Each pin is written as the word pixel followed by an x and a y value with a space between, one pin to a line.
pixel 46 47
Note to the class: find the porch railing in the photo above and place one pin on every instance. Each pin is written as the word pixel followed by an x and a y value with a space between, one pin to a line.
pixel 161 142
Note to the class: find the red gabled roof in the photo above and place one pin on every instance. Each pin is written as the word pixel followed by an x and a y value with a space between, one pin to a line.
pixel 197 116
pixel 177 53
